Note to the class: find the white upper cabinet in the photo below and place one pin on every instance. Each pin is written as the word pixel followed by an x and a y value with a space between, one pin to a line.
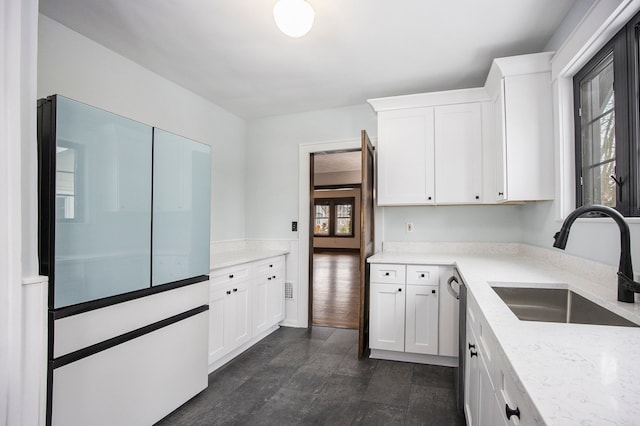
pixel 522 142
pixel 405 157
pixel 430 147
pixel 458 153
pixel 483 145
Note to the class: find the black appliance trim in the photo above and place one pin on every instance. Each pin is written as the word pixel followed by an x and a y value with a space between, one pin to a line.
pixel 92 305
pixel 47 112
pixel 123 338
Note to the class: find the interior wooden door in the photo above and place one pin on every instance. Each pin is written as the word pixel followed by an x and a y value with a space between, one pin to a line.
pixel 312 221
pixel 366 241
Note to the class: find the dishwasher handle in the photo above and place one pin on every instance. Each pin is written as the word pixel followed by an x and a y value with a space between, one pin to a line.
pixel 453 292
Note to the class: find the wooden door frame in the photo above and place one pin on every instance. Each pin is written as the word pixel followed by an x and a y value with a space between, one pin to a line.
pixel 367 238
pixel 304 217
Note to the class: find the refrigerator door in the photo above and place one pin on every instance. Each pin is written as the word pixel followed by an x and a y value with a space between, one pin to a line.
pixel 102 203
pixel 181 208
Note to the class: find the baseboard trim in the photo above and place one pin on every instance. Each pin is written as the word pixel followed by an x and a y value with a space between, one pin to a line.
pixel 446 361
pixel 225 359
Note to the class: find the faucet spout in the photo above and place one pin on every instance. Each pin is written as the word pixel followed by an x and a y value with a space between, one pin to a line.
pixel 626 285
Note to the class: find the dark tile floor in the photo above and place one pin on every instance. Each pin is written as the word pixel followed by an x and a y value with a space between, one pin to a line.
pixel 300 377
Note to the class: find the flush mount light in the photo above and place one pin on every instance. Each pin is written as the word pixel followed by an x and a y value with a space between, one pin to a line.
pixel 293 17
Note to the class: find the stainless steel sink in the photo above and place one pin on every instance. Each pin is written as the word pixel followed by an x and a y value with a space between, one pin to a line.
pixel 557 305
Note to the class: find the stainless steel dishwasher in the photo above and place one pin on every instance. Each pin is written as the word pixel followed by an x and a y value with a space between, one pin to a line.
pixel 456 287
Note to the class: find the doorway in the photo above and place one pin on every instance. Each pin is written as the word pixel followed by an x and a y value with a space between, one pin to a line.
pixel 366 224
pixel 334 286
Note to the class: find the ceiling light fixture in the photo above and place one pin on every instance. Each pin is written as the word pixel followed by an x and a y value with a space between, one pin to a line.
pixel 293 17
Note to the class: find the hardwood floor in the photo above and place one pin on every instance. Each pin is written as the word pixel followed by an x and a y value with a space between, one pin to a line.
pixel 336 283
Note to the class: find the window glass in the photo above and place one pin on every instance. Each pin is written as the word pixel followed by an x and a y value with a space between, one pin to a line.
pixel 334 217
pixel 344 219
pixel 322 220
pixel 598 145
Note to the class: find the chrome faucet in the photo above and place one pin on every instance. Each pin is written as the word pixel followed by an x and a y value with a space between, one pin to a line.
pixel 626 286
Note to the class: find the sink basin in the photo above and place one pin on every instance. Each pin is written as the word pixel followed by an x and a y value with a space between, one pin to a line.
pixel 557 305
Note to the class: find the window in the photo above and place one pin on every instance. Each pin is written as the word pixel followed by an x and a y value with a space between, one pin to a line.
pixel 334 217
pixel 606 118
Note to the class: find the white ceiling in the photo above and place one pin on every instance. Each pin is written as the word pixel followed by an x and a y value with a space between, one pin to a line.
pixel 230 51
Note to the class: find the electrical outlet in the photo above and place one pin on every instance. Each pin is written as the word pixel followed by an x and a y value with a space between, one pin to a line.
pixel 294 226
pixel 409 226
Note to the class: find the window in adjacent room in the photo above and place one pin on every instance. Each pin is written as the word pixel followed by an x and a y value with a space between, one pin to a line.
pixel 606 117
pixel 334 217
pixel 323 209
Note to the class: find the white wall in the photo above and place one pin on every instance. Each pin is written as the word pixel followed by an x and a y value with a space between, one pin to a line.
pixel 272 162
pixel 72 65
pixel 273 176
pixel 22 311
pixel 453 223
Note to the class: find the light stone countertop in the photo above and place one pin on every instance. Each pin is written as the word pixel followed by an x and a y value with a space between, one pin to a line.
pixel 237 257
pixel 574 374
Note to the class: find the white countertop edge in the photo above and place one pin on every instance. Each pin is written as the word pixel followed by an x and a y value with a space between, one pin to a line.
pixel 238 257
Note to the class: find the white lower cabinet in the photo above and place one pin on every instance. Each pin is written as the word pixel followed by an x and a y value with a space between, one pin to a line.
pixel 268 306
pixel 491 396
pixel 404 310
pixel 230 319
pixel 387 317
pixel 421 318
pixel 246 302
pixel 479 405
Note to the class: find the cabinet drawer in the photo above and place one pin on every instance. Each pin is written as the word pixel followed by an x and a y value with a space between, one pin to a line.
pixel 512 396
pixel 231 274
pixel 268 265
pixel 423 274
pixel 384 273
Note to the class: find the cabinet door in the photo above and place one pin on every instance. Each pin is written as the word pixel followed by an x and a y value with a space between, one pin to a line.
pixel 268 294
pixel 275 297
pixel 422 319
pixel 458 153
pixel 387 317
pixel 241 312
pixel 498 411
pixel 471 378
pixel 529 136
pixel 268 301
pixel 219 324
pixel 499 141
pixel 486 395
pixel 405 157
pixel 260 305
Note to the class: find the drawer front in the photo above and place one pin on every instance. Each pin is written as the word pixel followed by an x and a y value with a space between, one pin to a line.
pixel 511 396
pixel 423 274
pixel 387 274
pixel 268 265
pixel 231 274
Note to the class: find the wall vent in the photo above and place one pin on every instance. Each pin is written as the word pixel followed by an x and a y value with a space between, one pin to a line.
pixel 288 290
